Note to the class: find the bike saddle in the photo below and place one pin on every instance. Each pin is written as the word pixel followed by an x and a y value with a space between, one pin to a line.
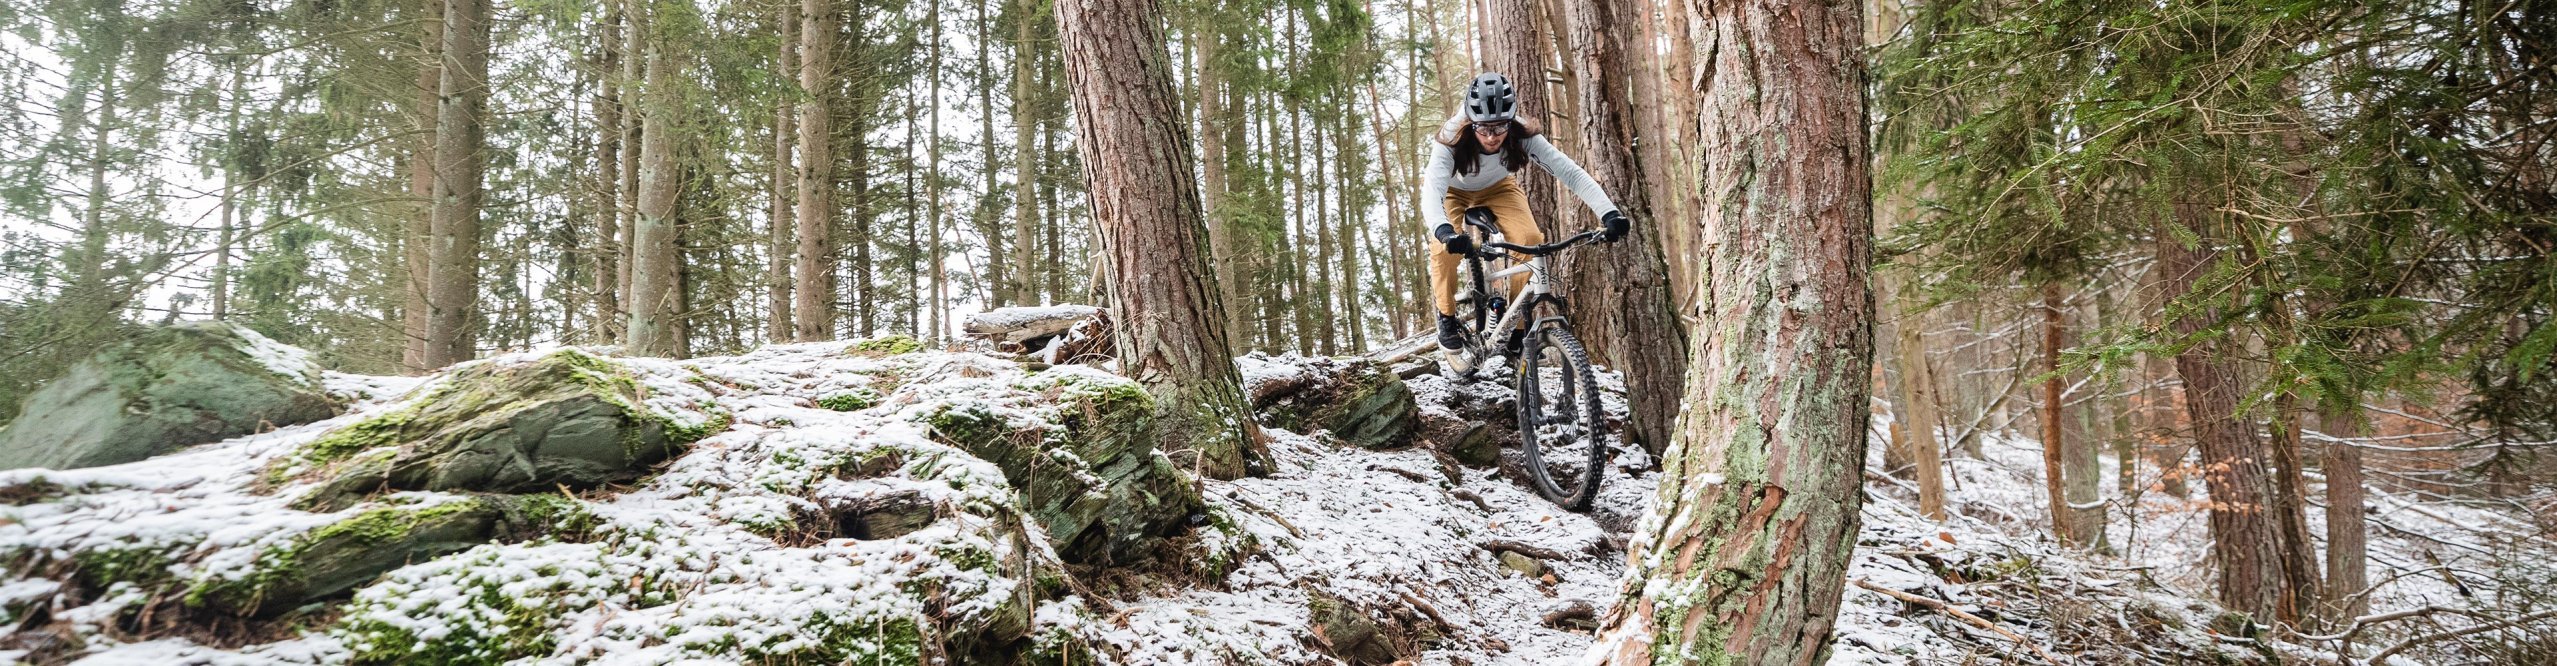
pixel 1480 216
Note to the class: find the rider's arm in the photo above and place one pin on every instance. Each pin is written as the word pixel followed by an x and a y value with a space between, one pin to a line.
pixel 1433 203
pixel 1570 175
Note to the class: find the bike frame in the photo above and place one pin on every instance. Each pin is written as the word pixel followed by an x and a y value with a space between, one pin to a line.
pixel 1540 287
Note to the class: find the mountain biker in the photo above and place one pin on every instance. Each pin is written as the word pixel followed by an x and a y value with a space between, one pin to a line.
pixel 1459 178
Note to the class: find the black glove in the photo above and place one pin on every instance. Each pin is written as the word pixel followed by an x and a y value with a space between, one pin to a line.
pixel 1617 225
pixel 1457 244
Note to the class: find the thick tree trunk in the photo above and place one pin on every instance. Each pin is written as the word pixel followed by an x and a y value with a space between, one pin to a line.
pixel 1745 551
pixel 1623 297
pixel 2347 525
pixel 1513 45
pixel 453 256
pixel 2244 541
pixel 777 265
pixel 418 228
pixel 1159 287
pixel 633 54
pixel 1918 404
pixel 814 261
pixel 988 218
pixel 655 287
pixel 2301 599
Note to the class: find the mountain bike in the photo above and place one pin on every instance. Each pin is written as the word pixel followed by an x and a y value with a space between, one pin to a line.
pixel 1560 429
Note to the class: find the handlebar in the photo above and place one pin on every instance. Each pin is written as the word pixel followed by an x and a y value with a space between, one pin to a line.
pixel 1540 250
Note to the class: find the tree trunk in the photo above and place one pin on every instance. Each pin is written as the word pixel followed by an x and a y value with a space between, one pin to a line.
pixel 1745 552
pixel 1025 192
pixel 419 227
pixel 939 301
pixel 1213 125
pixel 1630 308
pixel 453 257
pixel 655 287
pixel 633 54
pixel 777 265
pixel 2347 525
pixel 2300 597
pixel 998 284
pixel 2054 417
pixel 814 262
pixel 1512 45
pixel 1160 291
pixel 2244 541
pixel 605 259
pixel 1917 395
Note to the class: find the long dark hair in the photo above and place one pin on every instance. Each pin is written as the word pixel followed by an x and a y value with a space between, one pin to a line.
pixel 1513 150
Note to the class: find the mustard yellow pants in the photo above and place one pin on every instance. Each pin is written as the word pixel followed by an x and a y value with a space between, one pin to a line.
pixel 1517 226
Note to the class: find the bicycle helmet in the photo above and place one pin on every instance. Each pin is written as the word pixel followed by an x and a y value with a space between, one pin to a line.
pixel 1491 98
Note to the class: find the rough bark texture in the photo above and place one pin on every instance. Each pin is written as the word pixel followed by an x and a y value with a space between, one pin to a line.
pixel 1744 554
pixel 2347 526
pixel 1623 298
pixel 606 258
pixel 2243 540
pixel 1160 290
pixel 814 260
pixel 1025 194
pixel 654 272
pixel 2300 596
pixel 1513 46
pixel 453 252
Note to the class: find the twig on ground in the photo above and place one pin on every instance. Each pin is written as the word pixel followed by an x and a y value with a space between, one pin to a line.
pixel 1957 613
pixel 1498 545
pixel 2383 655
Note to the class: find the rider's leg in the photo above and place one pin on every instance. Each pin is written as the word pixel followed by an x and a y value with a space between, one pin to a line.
pixel 1445 270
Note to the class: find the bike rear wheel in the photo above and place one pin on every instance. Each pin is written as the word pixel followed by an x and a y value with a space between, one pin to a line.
pixel 1559 419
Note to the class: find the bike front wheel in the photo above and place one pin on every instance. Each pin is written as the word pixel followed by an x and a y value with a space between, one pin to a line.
pixel 1559 420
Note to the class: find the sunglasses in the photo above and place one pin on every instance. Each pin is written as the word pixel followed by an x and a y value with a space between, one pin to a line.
pixel 1492 129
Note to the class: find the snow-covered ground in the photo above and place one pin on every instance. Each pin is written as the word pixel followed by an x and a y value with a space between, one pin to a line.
pixel 682 573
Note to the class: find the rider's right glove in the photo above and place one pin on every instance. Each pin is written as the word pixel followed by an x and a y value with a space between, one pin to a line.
pixel 1616 226
pixel 1457 244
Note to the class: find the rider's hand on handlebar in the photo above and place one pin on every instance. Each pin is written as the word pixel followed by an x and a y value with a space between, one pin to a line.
pixel 1616 227
pixel 1457 244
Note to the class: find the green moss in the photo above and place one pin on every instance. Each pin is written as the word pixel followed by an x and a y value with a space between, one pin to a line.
pixel 143 566
pixel 850 401
pixel 518 631
pixel 861 640
pixel 376 526
pixel 889 346
pixel 558 516
pixel 347 440
pixel 966 425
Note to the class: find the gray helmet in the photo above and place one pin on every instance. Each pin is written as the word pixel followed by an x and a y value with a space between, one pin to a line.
pixel 1491 98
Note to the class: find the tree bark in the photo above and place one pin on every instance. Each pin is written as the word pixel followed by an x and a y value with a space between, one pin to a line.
pixel 605 259
pixel 1624 297
pixel 2347 525
pixel 655 273
pixel 1745 552
pixel 940 300
pixel 988 218
pixel 1213 125
pixel 1160 290
pixel 2054 418
pixel 778 261
pixel 1514 46
pixel 814 261
pixel 1917 395
pixel 460 156
pixel 2244 540
pixel 419 228
pixel 1025 192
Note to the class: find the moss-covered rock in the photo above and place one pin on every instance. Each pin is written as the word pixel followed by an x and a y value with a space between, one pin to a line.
pixel 166 389
pixel 568 419
pixel 1359 401
pixel 1094 481
pixel 337 557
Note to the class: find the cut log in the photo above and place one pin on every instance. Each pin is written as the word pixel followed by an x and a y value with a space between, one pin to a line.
pixel 1015 329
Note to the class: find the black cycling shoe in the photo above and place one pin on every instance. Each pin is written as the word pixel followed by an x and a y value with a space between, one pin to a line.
pixel 1517 338
pixel 1451 333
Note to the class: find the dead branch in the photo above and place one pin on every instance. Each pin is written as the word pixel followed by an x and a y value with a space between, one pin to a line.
pixel 1974 620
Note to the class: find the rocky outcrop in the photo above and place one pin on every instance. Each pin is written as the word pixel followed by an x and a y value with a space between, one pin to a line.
pixel 567 419
pixel 1095 482
pixel 1358 400
pixel 169 388
pixel 332 559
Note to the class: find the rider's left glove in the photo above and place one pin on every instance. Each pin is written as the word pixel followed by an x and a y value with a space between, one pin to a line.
pixel 1616 226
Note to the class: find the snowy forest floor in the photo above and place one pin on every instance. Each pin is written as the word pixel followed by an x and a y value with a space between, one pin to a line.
pixel 1403 535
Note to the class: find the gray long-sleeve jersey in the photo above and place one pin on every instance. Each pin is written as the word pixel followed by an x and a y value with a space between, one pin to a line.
pixel 1488 170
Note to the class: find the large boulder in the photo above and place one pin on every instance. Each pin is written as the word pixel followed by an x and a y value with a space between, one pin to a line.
pixel 566 419
pixel 1084 465
pixel 337 557
pixel 169 388
pixel 1358 400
